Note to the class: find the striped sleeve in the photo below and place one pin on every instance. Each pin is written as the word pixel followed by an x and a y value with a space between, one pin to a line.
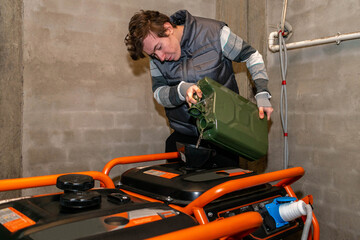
pixel 236 49
pixel 165 95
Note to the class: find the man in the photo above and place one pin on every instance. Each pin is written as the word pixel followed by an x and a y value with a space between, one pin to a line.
pixel 184 49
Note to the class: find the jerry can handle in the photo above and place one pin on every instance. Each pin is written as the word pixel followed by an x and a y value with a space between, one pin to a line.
pixel 198 108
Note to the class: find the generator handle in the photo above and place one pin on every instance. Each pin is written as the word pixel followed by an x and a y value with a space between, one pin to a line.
pixel 288 175
pixel 137 159
pixel 48 180
pixel 240 225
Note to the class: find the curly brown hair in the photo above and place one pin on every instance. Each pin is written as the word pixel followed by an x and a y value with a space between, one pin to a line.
pixel 140 26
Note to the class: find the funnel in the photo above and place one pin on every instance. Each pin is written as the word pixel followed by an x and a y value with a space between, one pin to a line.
pixel 196 157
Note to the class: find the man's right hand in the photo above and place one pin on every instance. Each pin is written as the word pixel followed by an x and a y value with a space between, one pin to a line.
pixel 194 89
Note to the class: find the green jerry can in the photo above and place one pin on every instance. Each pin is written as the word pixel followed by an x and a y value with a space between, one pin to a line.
pixel 230 121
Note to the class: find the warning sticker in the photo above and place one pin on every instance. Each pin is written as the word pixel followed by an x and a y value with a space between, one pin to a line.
pixel 14 220
pixel 163 174
pixel 234 172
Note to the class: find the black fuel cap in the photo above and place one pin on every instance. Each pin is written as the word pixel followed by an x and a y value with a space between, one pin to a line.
pixel 77 194
pixel 75 182
pixel 80 200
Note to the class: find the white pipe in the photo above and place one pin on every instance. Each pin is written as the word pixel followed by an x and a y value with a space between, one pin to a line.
pixel 307 43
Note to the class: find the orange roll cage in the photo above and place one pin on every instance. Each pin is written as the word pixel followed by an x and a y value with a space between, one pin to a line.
pixel 138 159
pixel 285 177
pixel 48 180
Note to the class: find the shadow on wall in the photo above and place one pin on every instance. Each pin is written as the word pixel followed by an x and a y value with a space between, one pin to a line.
pixel 140 66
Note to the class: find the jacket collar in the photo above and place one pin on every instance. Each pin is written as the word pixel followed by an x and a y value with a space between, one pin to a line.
pixel 183 17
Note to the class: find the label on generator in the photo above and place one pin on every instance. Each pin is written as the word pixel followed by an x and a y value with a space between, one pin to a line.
pixel 135 218
pixel 14 220
pixel 162 174
pixel 234 172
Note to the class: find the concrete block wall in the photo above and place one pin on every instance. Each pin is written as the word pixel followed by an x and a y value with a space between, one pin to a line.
pixel 85 101
pixel 323 111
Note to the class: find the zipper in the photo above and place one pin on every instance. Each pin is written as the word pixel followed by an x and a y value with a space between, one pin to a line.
pixel 185 74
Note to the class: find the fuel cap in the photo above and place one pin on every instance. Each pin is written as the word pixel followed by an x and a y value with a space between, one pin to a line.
pixel 77 194
pixel 80 200
pixel 75 182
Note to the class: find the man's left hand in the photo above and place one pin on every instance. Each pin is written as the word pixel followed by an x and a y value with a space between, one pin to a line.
pixel 267 110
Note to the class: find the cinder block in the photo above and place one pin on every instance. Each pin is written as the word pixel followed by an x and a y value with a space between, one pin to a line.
pixel 155 134
pixel 157 147
pixel 85 153
pixel 129 149
pixel 131 119
pixel 71 137
pixel 45 155
pixel 66 6
pixel 37 137
pixel 117 104
pixel 159 119
pixel 104 10
pixel 67 167
pixel 53 138
pixel 132 135
pixel 47 120
pixel 93 120
pixel 103 137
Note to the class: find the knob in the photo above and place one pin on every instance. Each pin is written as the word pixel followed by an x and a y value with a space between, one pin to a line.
pixel 76 191
pixel 75 182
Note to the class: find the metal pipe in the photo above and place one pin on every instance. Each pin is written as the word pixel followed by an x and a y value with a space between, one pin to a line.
pixel 282 25
pixel 307 43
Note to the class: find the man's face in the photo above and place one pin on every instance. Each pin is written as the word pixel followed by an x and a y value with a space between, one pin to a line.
pixel 163 48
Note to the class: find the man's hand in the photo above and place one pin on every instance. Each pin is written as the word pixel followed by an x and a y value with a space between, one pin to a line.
pixel 194 89
pixel 264 105
pixel 267 110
